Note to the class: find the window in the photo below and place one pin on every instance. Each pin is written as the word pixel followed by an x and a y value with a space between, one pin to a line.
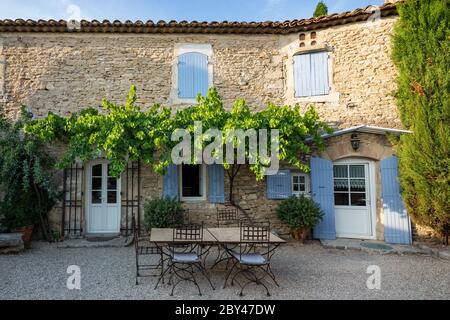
pixel 192 75
pixel 311 77
pixel 193 182
pixel 192 71
pixel 100 182
pixel 111 187
pixel 96 184
pixel 300 184
pixel 350 185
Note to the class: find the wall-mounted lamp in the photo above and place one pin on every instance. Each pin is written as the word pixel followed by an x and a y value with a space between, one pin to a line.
pixel 355 142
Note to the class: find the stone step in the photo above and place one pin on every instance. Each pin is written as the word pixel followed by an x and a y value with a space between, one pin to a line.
pixel 11 243
pixel 84 243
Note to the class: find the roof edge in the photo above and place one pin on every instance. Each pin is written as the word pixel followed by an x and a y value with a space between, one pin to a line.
pixel 224 27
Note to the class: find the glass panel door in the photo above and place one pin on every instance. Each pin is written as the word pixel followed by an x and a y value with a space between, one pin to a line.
pixel 97 184
pixel 350 185
pixel 112 188
pixel 104 203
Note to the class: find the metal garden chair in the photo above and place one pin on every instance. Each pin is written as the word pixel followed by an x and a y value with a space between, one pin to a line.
pixel 143 247
pixel 185 260
pixel 226 218
pixel 253 257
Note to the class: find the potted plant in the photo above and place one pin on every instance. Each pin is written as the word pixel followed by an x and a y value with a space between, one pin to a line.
pixel 28 189
pixel 162 213
pixel 301 214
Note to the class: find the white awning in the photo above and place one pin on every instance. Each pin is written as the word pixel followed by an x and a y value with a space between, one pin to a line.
pixel 366 129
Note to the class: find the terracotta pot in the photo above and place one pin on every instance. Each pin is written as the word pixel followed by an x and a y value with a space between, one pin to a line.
pixel 301 234
pixel 27 232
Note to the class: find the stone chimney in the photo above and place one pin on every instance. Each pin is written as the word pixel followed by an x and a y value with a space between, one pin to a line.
pixel 391 1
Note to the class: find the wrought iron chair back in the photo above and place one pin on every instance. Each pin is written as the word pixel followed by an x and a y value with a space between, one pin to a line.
pixel 227 217
pixel 188 232
pixel 143 247
pixel 139 235
pixel 254 237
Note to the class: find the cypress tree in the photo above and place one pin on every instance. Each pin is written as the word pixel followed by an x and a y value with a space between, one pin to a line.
pixel 321 10
pixel 421 52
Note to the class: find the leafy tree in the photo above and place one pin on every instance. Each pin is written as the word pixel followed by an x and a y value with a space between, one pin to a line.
pixel 321 10
pixel 421 54
pixel 124 133
pixel 29 190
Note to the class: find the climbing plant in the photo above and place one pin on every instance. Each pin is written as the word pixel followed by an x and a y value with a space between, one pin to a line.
pixel 421 53
pixel 120 133
pixel 125 132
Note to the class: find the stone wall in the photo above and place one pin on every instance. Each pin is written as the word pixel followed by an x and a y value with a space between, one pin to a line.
pixel 362 75
pixel 64 73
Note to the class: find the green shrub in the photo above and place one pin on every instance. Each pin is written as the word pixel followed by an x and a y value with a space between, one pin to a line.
pixel 29 189
pixel 299 213
pixel 162 213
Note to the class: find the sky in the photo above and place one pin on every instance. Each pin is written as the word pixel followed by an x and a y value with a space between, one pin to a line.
pixel 200 10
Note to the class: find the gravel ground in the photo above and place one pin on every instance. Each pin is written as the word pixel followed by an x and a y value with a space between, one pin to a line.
pixel 303 271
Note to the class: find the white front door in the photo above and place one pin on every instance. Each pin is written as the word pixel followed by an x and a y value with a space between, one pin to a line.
pixel 353 198
pixel 103 200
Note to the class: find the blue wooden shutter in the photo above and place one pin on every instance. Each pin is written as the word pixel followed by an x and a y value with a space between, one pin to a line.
pixel 279 185
pixel 319 74
pixel 170 187
pixel 216 181
pixel 192 75
pixel 302 75
pixel 323 194
pixel 397 225
pixel 311 74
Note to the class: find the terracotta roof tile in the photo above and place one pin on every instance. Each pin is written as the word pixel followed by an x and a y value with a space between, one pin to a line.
pixel 224 27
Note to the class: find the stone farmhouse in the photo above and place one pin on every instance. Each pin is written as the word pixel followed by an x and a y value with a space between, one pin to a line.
pixel 340 63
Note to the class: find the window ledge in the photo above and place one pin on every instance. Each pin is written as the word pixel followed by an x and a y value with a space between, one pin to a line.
pixel 177 100
pixel 305 193
pixel 330 98
pixel 190 200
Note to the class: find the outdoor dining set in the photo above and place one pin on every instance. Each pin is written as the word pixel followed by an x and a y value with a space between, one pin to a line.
pixel 180 253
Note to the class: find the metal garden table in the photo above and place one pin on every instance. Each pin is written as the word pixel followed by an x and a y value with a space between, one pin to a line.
pixel 225 237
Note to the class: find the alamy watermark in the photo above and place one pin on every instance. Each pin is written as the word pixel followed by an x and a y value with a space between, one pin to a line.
pixel 374 281
pixel 374 20
pixel 74 280
pixel 242 147
pixel 74 17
